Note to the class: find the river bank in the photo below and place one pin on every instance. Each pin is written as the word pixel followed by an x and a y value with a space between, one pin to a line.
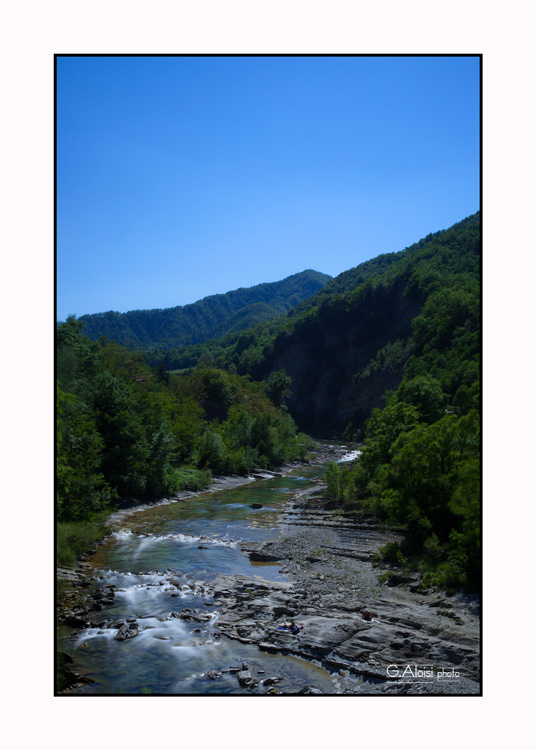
pixel 323 454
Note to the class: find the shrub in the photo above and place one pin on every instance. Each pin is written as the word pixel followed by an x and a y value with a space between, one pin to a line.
pixel 189 478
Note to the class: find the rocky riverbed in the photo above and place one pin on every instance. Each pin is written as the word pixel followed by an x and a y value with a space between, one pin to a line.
pixel 415 642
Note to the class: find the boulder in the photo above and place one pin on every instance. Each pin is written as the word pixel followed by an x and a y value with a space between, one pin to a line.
pixel 99 624
pixel 244 678
pixel 174 582
pixel 271 680
pixel 263 557
pixel 126 631
pixel 76 621
pixel 308 690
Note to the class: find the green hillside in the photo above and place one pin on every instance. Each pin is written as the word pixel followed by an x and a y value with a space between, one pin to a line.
pixel 211 317
pixel 412 313
pixel 408 313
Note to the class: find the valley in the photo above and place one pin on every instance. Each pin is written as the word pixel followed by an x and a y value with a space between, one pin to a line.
pixel 215 504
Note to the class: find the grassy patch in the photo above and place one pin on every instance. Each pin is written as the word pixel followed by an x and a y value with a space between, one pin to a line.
pixel 72 539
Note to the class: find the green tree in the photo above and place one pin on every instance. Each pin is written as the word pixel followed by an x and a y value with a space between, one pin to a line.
pixel 80 486
pixel 430 475
pixel 426 395
pixel 210 450
pixel 278 387
pixel 126 449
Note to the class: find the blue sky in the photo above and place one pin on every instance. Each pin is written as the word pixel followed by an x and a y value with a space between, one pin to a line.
pixel 181 177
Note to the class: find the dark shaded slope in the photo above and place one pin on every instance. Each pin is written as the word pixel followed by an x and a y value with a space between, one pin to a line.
pixel 328 357
pixel 419 310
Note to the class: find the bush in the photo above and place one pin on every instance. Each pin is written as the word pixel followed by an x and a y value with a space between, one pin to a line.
pixel 332 477
pixel 188 478
pixel 391 553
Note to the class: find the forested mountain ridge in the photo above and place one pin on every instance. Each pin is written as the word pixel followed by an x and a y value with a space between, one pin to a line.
pixel 418 314
pixel 407 313
pixel 209 318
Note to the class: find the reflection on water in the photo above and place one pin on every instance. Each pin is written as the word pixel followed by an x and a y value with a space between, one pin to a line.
pixel 159 564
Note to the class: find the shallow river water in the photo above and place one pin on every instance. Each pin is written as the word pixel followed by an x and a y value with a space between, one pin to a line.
pixel 191 542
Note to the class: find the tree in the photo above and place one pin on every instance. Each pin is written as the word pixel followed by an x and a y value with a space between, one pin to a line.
pixel 430 474
pixel 126 449
pixel 278 387
pixel 80 486
pixel 426 395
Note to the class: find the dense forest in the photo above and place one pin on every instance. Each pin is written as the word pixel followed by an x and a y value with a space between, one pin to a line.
pixel 387 354
pixel 124 430
pixel 211 317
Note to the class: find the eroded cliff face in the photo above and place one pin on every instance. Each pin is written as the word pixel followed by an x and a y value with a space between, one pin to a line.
pixel 328 360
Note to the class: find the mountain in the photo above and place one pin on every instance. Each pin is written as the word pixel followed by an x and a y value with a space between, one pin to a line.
pixel 417 314
pixel 211 317
pixel 401 315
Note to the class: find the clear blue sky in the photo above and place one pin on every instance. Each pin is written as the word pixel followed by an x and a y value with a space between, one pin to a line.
pixel 181 177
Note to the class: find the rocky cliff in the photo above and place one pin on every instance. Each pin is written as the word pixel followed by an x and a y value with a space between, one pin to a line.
pixel 337 375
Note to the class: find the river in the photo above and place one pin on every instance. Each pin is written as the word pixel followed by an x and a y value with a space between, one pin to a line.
pixel 161 561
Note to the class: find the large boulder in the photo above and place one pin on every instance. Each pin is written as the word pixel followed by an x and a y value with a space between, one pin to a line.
pixel 126 631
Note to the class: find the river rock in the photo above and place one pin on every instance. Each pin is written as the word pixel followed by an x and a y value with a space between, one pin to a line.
pixel 100 624
pixel 202 617
pixel 308 690
pixel 76 621
pixel 271 680
pixel 126 631
pixel 263 557
pixel 244 678
pixel 174 582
